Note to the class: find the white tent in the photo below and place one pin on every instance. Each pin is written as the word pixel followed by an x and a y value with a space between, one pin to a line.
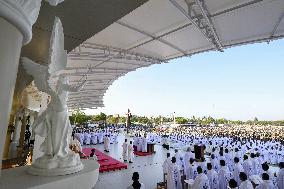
pixel 161 30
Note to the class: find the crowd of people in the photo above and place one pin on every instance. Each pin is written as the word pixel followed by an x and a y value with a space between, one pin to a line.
pixel 221 171
pixel 87 136
pixel 236 156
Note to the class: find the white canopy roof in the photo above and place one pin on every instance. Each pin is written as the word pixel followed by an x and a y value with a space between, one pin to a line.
pixel 161 30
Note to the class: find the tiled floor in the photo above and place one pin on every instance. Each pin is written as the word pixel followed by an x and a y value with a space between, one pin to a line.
pixel 149 168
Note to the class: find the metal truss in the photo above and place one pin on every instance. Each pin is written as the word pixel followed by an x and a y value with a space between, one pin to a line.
pixel 145 64
pixel 73 71
pixel 101 90
pixel 198 15
pixel 84 105
pixel 94 97
pixel 85 101
pixel 108 52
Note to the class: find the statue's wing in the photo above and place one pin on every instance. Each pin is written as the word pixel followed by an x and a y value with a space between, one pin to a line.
pixel 57 55
pixel 39 73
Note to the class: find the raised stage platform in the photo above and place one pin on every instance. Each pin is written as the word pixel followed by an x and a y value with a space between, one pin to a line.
pixel 15 178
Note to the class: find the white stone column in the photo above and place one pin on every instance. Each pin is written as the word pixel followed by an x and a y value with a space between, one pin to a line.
pixel 11 40
pixel 16 20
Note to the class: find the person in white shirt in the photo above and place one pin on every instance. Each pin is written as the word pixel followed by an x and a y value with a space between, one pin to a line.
pixel 245 183
pixel 212 176
pixel 136 184
pixel 201 181
pixel 280 176
pixel 224 175
pixel 266 184
pixel 130 152
pixel 124 150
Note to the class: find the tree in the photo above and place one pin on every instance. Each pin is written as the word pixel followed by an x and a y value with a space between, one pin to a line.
pixel 181 120
pixel 79 117
pixel 100 117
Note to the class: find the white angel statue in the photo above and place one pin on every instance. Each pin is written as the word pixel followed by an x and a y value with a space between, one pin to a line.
pixel 53 123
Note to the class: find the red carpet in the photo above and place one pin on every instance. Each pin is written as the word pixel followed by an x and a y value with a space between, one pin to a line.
pixel 106 162
pixel 142 153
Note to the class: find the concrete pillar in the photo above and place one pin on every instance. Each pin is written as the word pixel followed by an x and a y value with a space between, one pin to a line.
pixel 11 40
pixel 16 20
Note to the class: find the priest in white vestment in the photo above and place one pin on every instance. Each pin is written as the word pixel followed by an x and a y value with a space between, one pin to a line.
pixel 267 183
pixel 237 169
pixel 212 176
pixel 280 176
pixel 245 183
pixel 178 157
pixel 130 152
pixel 191 172
pixel 140 142
pixel 106 143
pixel 201 181
pixel 166 163
pixel 247 165
pixel 224 175
pixel 173 176
pixel 144 144
pixel 233 184
pixel 124 150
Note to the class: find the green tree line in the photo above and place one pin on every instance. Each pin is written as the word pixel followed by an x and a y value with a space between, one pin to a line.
pixel 79 117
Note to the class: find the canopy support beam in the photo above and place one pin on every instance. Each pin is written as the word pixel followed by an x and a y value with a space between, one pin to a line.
pixel 152 36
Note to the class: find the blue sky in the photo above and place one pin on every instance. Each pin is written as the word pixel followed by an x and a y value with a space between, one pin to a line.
pixel 240 83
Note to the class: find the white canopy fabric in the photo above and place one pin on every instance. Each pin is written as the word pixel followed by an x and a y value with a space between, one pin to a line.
pixel 161 30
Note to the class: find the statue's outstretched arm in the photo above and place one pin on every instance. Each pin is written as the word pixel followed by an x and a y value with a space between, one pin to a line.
pixel 74 88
